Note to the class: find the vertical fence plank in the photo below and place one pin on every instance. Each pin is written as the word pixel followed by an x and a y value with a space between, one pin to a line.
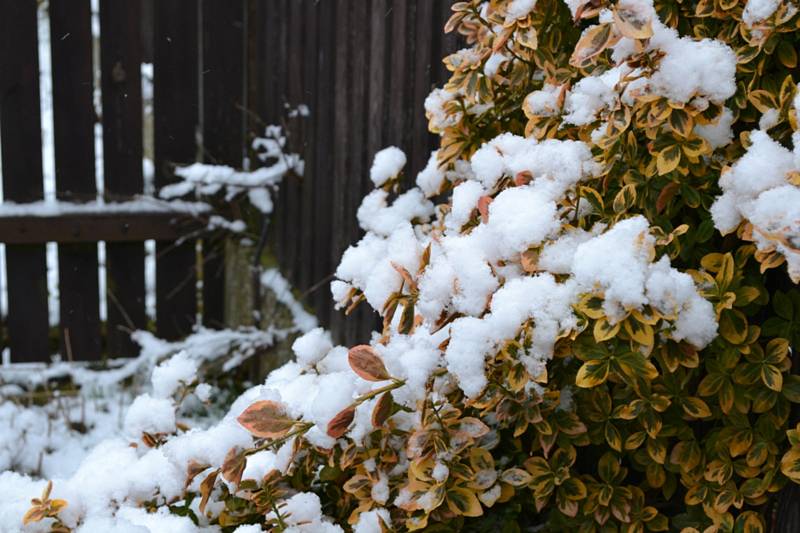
pixel 279 41
pixel 447 44
pixel 398 70
pixel 378 76
pixel 176 115
pixel 290 188
pixel 73 134
pixel 324 182
pixel 121 58
pixel 339 144
pixel 20 136
pixel 358 328
pixel 308 217
pixel 223 124
pixel 421 139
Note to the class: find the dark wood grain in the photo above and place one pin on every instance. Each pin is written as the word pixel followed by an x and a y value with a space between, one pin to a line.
pixel 73 135
pixel 20 131
pixel 324 178
pixel 88 228
pixel 223 125
pixel 339 144
pixel 176 121
pixel 121 57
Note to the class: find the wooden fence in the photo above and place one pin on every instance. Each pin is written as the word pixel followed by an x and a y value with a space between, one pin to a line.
pixel 364 69
pixel 221 69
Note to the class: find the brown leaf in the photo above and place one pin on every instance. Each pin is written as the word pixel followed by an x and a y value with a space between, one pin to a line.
pixel 530 261
pixel 149 440
pixel 383 409
pixel 34 514
pixel 233 466
pixel 425 259
pixel 406 275
pixel 666 194
pixel 193 470
pixel 205 489
pixel 483 207
pixel 266 419
pixel 339 423
pixel 365 362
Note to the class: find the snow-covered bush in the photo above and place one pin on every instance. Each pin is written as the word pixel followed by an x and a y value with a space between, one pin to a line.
pixel 577 333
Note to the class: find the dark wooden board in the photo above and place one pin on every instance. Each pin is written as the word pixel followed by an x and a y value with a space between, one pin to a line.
pixel 176 119
pixel 340 222
pixel 323 177
pixel 73 136
pixel 223 124
pixel 86 228
pixel 20 131
pixel 121 57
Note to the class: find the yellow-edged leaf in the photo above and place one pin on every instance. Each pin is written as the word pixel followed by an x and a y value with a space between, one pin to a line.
pixel 592 373
pixel 668 159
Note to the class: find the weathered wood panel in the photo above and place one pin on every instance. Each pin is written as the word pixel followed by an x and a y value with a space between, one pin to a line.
pixel 222 78
pixel 176 110
pixel 73 136
pixel 121 57
pixel 20 136
pixel 366 69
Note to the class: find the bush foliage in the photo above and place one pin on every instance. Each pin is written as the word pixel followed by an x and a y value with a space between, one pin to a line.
pixel 627 429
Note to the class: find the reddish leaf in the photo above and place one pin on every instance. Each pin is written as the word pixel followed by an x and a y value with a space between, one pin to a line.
pixel 483 207
pixel 233 466
pixel 523 178
pixel 339 423
pixel 365 362
pixel 383 409
pixel 266 419
pixel 666 194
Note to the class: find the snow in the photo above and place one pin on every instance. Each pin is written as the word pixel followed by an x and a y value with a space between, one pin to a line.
pixel 431 178
pixel 177 371
pixel 142 204
pixel 387 165
pixel 757 10
pixel 494 63
pixel 370 521
pixel 544 102
pixel 591 95
pixel 769 119
pixel 377 216
pixel 519 9
pixel 273 280
pixel 764 166
pixel 464 202
pixel 150 415
pixel 438 118
pixel 719 133
pixel 313 346
pixel 690 67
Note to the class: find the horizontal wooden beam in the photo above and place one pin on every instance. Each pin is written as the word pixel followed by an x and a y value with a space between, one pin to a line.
pixel 93 227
